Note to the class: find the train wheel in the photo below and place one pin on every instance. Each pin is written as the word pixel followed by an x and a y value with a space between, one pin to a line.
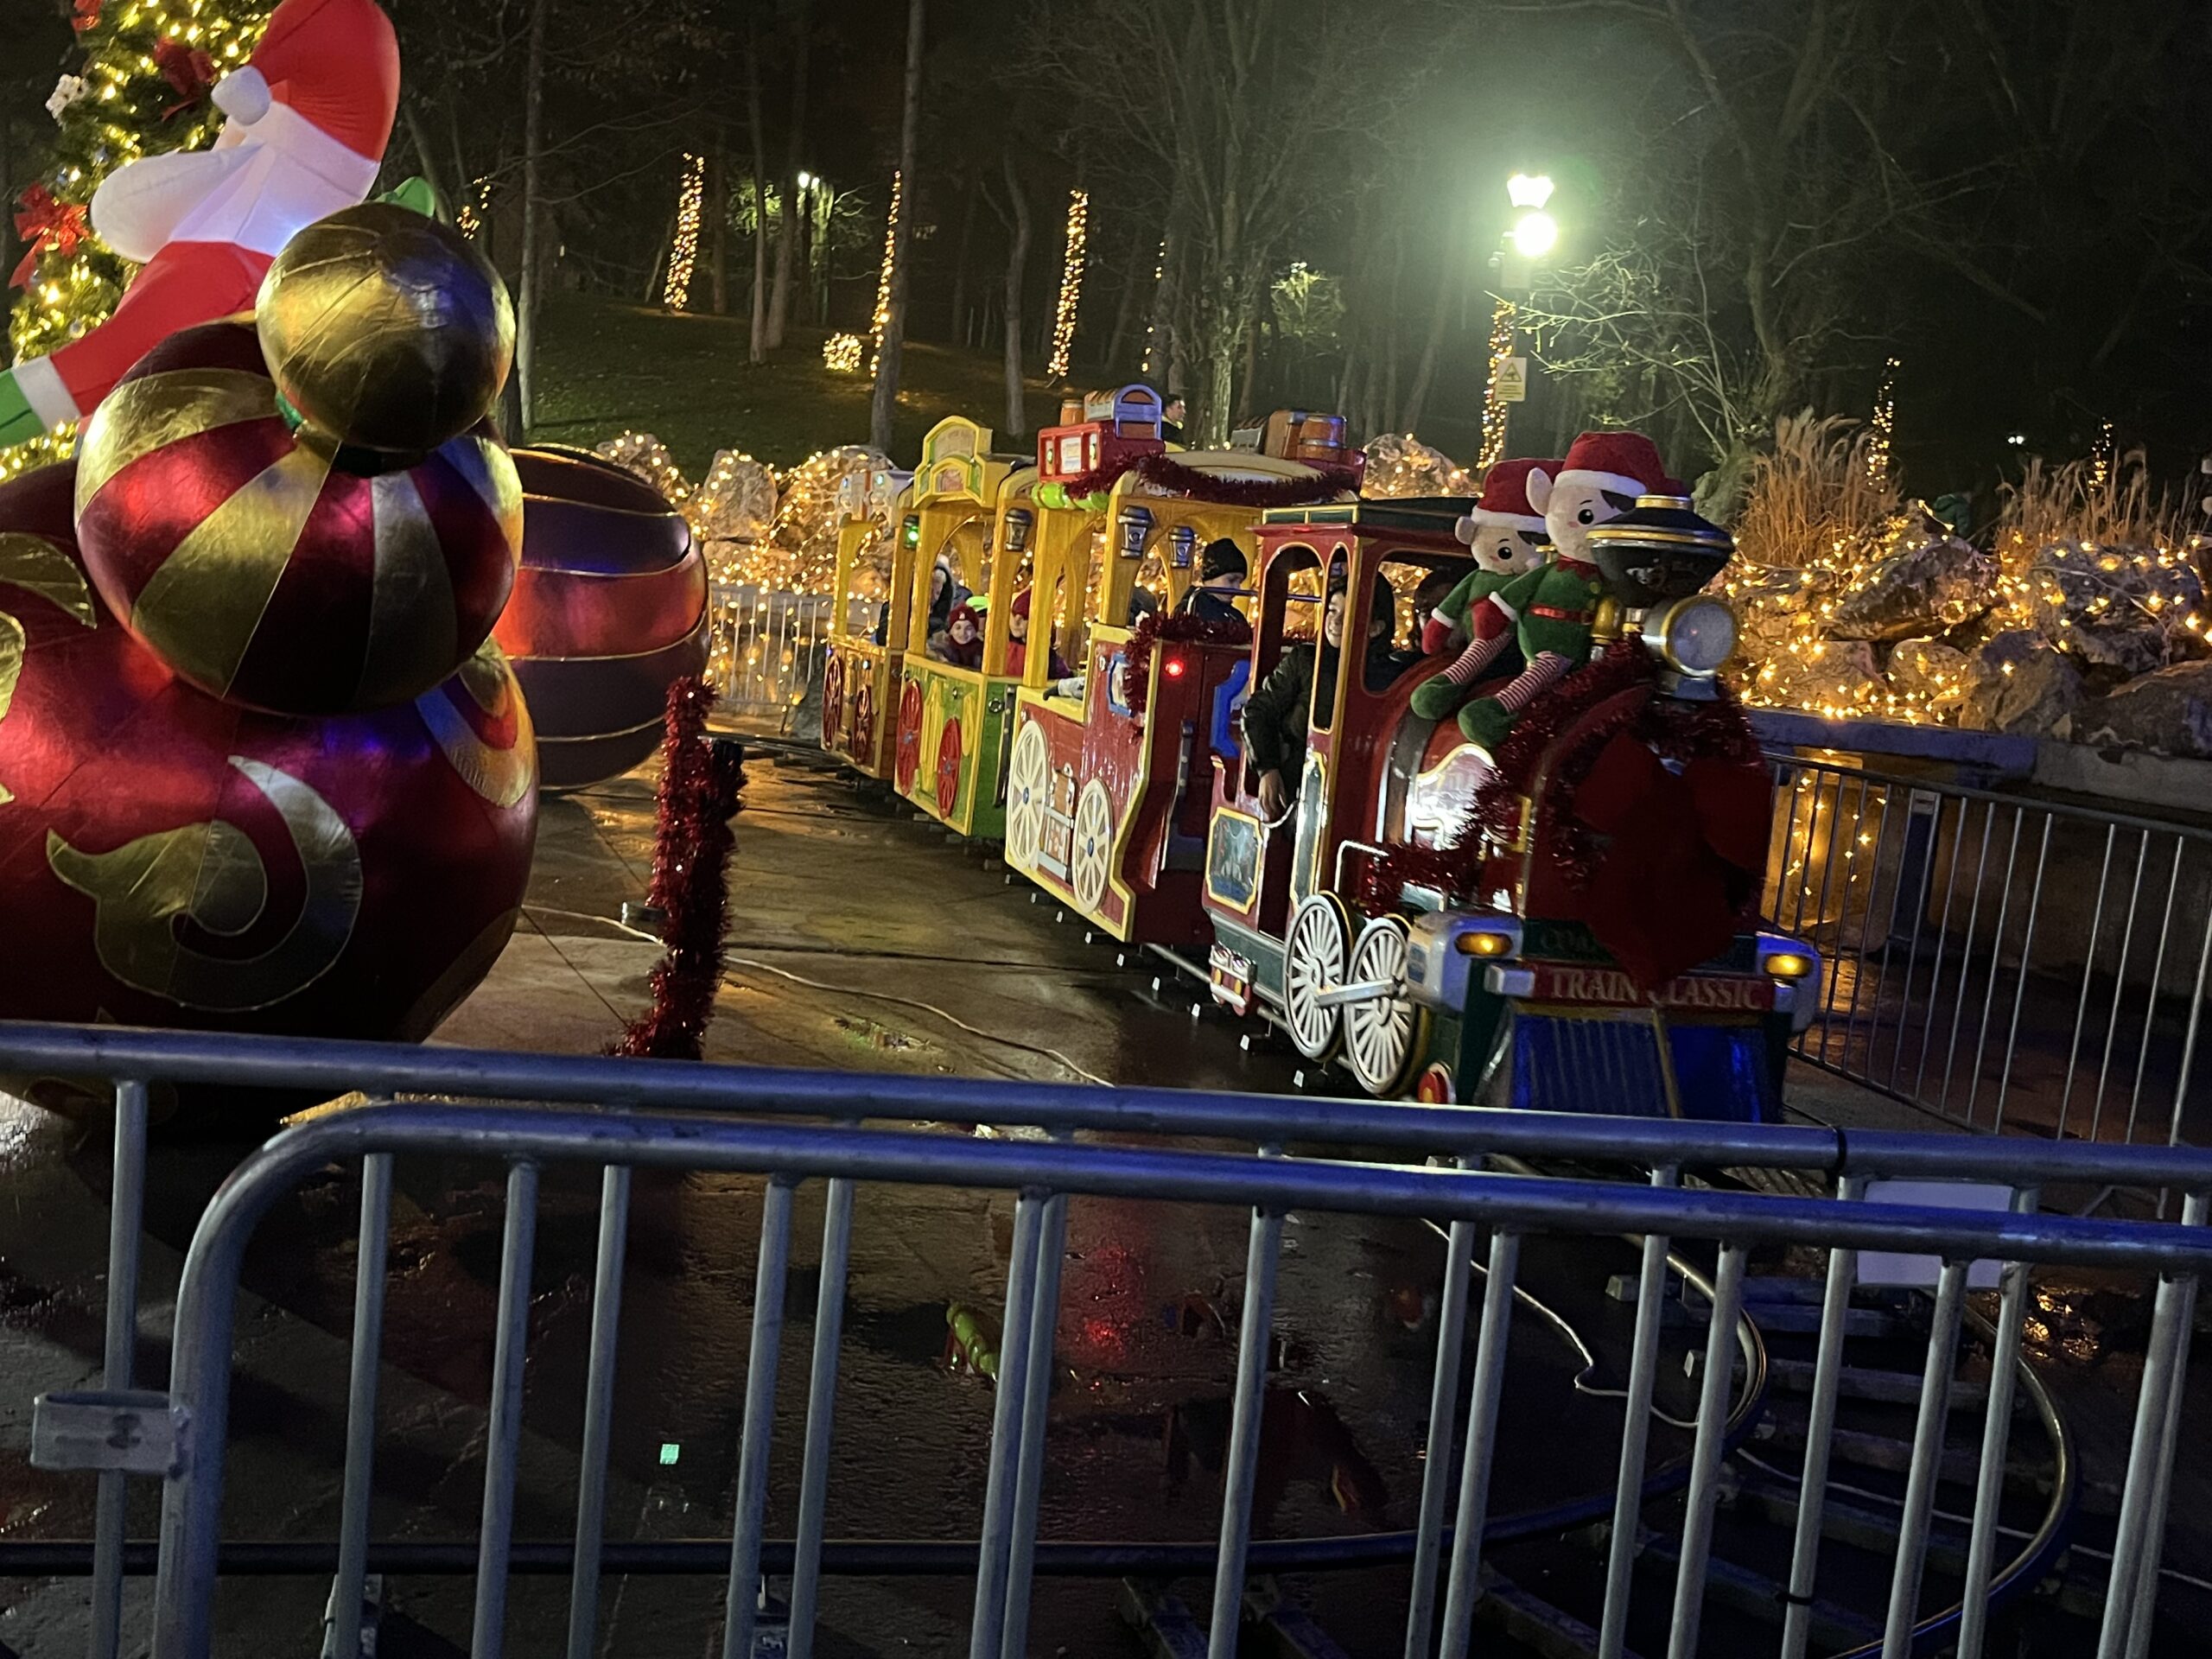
pixel 1382 1036
pixel 910 738
pixel 1313 960
pixel 833 700
pixel 948 767
pixel 1094 845
pixel 864 725
pixel 1029 782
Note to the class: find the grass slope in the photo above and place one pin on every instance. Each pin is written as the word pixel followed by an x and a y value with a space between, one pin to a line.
pixel 607 366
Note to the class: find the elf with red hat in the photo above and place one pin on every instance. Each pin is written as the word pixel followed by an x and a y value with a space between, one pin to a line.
pixel 1548 611
pixel 1507 537
pixel 310 113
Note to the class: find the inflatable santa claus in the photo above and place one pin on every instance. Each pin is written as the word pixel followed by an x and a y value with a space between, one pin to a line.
pixel 310 115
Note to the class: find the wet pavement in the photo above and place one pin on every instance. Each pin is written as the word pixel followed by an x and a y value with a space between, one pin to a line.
pixel 860 939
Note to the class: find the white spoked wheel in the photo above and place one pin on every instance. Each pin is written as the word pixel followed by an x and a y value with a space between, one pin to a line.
pixel 1094 844
pixel 1312 961
pixel 1381 1034
pixel 1028 786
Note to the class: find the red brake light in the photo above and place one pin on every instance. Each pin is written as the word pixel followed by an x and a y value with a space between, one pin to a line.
pixel 1173 668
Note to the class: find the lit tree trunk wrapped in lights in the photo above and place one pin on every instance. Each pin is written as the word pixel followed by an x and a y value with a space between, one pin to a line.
pixel 141 91
pixel 1071 284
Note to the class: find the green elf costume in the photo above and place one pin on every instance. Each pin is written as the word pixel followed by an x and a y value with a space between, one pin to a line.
pixel 1507 539
pixel 1548 611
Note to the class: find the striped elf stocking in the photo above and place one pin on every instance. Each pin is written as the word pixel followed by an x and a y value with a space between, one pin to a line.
pixel 1531 682
pixel 1478 655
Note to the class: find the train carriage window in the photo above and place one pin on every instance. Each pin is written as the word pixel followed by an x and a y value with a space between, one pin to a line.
pixel 869 590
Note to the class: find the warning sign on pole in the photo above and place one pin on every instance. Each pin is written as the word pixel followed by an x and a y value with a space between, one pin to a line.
pixel 1512 379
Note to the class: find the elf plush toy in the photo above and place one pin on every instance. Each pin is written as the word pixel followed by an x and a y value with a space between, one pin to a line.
pixel 309 113
pixel 1507 537
pixel 1548 611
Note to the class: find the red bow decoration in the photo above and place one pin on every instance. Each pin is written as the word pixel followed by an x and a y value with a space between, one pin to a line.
pixel 1668 892
pixel 189 72
pixel 86 16
pixel 45 223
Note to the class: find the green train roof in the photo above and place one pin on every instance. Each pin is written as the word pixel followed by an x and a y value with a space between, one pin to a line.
pixel 1438 515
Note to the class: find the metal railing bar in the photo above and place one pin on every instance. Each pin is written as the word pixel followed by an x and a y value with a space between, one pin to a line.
pixel 1967 944
pixel 386 1069
pixel 742 1609
pixel 1865 926
pixel 2097 815
pixel 2119 985
pixel 821 1415
pixel 1820 1433
pixel 488 1631
pixel 119 1353
pixel 1263 1254
pixel 1839 834
pixel 1997 961
pixel 2151 1003
pixel 1912 952
pixel 1464 1588
pixel 1635 1433
pixel 1704 1459
pixel 1996 1443
pixel 1029 1471
pixel 599 1410
pixel 1927 1461
pixel 369 1282
pixel 2188 1046
pixel 1942 944
pixel 2143 1611
pixel 1012 1395
pixel 1443 1403
pixel 2088 972
pixel 2019 993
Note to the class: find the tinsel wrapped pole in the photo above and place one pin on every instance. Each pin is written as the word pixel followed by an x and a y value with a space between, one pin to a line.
pixel 699 785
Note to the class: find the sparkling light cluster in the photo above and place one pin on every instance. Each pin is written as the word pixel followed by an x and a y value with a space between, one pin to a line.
pixel 1078 234
pixel 468 217
pixel 127 109
pixel 1884 425
pixel 683 255
pixel 882 317
pixel 1502 322
pixel 1152 328
pixel 1402 464
pixel 841 353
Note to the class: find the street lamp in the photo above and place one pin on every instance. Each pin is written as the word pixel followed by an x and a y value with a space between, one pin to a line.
pixel 1529 193
pixel 1534 235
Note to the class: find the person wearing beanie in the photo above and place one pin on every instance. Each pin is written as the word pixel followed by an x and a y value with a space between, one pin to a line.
pixel 961 644
pixel 1548 611
pixel 1017 641
pixel 1221 570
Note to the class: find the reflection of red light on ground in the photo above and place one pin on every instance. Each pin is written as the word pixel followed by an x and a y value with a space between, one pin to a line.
pixel 1102 1333
pixel 1175 668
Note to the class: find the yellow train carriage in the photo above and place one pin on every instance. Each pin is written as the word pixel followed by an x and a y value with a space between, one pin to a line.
pixel 877 536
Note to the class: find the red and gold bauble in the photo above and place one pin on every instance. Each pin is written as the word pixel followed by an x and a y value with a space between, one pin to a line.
pixel 609 610
pixel 273 565
pixel 170 858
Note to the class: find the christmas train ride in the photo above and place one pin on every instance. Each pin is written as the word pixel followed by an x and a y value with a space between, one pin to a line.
pixel 1448 788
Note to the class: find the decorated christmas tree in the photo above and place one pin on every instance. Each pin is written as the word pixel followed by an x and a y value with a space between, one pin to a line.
pixel 142 89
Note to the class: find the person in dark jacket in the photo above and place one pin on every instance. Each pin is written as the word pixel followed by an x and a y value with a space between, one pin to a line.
pixel 1221 576
pixel 1276 713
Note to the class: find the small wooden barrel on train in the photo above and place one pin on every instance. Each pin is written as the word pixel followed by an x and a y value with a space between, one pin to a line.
pixel 609 609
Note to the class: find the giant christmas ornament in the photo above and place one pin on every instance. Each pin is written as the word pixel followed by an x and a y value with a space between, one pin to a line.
pixel 310 115
pixel 287 567
pixel 609 610
pixel 170 858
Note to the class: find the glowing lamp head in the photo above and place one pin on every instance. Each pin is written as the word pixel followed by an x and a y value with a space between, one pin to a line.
pixel 1536 235
pixel 1173 668
pixel 1788 964
pixel 1530 191
pixel 1485 944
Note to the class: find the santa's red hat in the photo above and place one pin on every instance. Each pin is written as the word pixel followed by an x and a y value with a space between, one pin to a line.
pixel 333 65
pixel 1627 463
pixel 1504 502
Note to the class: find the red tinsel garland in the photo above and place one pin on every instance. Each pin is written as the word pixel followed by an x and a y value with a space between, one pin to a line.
pixel 1170 477
pixel 1136 659
pixel 699 786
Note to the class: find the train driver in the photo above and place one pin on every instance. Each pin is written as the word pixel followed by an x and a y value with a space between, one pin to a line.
pixel 1222 570
pixel 1275 714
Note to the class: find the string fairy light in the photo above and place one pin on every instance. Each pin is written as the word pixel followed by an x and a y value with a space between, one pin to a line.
pixel 841 353
pixel 2101 458
pixel 1884 425
pixel 121 104
pixel 683 256
pixel 1152 328
pixel 1502 323
pixel 1078 234
pixel 881 320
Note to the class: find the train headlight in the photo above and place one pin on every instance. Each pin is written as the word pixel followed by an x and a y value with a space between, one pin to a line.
pixel 1486 944
pixel 1788 964
pixel 1694 636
